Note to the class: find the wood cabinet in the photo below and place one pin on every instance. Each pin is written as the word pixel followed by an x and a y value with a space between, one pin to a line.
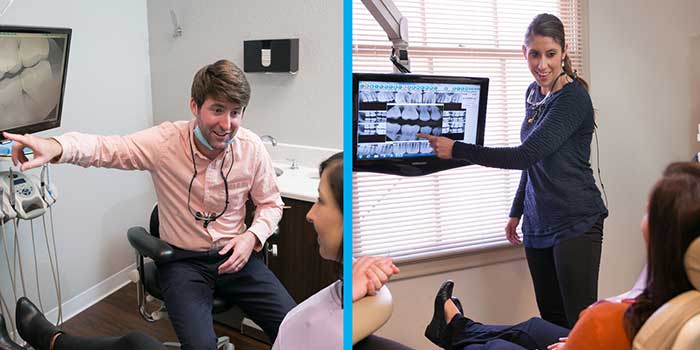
pixel 298 264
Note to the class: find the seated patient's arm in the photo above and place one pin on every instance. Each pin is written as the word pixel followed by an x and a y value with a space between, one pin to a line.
pixel 369 274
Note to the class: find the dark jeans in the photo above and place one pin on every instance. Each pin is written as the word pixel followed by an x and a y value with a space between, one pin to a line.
pixel 374 342
pixel 189 284
pixel 535 333
pixel 565 276
pixel 131 341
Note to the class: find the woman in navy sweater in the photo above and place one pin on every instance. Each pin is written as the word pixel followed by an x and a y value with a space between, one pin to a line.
pixel 557 197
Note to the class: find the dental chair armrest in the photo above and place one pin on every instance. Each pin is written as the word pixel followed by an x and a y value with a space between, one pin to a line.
pixel 371 313
pixel 148 245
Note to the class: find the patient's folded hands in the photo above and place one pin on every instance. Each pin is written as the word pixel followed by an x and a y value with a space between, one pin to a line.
pixel 561 345
pixel 369 274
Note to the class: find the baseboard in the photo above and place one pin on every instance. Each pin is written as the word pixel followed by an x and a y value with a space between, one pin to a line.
pixel 92 296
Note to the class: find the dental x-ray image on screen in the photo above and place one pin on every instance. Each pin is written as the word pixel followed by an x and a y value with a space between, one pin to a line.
pixel 390 110
pixel 32 77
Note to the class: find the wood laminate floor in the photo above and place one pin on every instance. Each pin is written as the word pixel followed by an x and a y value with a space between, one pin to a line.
pixel 118 314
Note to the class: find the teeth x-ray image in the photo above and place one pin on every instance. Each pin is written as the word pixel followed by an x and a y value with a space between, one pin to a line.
pixel 404 122
pixel 30 79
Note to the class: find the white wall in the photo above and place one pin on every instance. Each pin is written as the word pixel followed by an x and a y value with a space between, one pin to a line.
pixel 303 109
pixel 646 101
pixel 107 92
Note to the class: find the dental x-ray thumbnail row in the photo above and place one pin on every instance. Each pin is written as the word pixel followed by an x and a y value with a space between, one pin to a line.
pixel 394 150
pixel 405 97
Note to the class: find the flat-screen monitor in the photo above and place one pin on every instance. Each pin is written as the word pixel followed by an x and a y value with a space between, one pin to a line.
pixel 33 64
pixel 389 110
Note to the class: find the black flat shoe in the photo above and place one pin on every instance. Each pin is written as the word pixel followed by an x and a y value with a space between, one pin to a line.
pixel 458 304
pixel 32 326
pixel 5 342
pixel 437 325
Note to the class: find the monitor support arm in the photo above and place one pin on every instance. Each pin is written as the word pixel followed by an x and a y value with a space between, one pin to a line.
pixel 396 27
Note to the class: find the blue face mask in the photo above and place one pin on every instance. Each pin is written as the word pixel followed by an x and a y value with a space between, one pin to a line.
pixel 203 141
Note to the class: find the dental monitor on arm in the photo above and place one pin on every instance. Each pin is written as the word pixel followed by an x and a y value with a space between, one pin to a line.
pixel 33 64
pixel 393 113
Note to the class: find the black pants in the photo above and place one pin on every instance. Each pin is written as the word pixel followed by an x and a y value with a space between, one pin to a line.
pixel 131 341
pixel 374 342
pixel 565 276
pixel 535 333
pixel 188 285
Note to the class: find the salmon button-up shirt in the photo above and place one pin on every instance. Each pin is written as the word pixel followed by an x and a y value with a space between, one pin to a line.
pixel 165 152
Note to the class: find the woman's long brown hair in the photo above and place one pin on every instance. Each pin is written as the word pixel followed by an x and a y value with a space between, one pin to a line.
pixel 673 222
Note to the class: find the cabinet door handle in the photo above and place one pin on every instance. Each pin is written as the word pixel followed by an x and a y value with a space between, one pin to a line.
pixel 273 249
pixel 286 207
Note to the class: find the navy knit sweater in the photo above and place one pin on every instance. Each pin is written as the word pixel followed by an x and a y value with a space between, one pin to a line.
pixel 557 195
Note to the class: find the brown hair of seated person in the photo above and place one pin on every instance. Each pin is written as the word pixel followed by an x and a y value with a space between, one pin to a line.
pixel 333 167
pixel 673 223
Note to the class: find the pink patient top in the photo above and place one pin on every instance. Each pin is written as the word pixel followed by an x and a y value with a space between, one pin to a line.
pixel 316 323
pixel 164 151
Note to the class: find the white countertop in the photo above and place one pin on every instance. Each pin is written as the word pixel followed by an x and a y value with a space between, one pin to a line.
pixel 301 184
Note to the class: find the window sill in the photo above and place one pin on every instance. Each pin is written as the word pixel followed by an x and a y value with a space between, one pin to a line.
pixel 459 261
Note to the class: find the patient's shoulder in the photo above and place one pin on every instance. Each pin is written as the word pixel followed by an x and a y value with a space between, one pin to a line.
pixel 601 326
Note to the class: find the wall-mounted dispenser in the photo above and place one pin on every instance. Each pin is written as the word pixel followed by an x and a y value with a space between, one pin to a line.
pixel 267 56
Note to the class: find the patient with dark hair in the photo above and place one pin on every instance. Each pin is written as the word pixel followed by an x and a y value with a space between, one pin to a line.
pixel 670 225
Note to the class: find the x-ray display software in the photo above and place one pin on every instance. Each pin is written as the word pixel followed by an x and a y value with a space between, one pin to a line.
pixel 391 114
pixel 32 69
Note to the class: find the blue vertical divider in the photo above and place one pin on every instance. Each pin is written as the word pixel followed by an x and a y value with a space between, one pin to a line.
pixel 347 173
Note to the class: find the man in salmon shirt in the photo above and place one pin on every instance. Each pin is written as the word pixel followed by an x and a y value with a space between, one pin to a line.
pixel 203 171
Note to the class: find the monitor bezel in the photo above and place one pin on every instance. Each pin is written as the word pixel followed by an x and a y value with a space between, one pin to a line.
pixel 51 124
pixel 414 166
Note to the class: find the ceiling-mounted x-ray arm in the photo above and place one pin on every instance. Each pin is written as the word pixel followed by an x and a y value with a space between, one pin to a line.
pixel 396 27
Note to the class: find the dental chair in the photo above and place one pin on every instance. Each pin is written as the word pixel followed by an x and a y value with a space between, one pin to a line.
pixel 368 315
pixel 149 245
pixel 676 324
pixel 371 313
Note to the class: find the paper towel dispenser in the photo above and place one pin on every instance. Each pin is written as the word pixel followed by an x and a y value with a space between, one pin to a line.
pixel 271 56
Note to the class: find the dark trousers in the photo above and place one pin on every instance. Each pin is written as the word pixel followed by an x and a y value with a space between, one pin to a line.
pixel 535 333
pixel 565 276
pixel 190 281
pixel 374 342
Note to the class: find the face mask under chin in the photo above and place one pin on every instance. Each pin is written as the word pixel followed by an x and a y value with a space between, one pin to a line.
pixel 198 134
